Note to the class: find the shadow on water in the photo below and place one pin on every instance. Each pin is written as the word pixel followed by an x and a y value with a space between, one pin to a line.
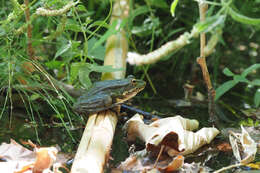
pixel 45 132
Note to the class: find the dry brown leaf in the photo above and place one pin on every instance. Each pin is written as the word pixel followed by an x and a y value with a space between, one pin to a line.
pixel 246 153
pixel 16 152
pixel 45 158
pixel 21 160
pixel 176 163
pixel 140 162
pixel 224 147
pixel 173 132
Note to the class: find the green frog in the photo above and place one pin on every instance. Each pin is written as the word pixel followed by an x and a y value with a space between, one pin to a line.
pixel 108 94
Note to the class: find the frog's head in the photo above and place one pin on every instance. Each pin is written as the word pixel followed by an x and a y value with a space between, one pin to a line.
pixel 133 87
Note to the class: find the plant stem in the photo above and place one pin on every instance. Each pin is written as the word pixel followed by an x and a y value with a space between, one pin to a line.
pixel 228 167
pixel 94 148
pixel 29 31
pixel 202 62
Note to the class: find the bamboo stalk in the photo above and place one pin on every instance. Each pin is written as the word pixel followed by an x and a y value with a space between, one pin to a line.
pixel 94 148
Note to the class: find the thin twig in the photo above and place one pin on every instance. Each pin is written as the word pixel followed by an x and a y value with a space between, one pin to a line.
pixel 202 62
pixel 159 155
pixel 228 167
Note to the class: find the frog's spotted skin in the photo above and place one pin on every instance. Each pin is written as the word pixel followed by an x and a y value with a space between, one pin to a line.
pixel 108 94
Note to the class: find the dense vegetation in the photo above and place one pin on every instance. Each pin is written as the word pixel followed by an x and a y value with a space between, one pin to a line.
pixel 68 46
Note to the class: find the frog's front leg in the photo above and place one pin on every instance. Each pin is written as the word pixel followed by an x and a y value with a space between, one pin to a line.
pixel 116 109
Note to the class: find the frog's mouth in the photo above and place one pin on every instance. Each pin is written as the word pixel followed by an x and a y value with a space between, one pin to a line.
pixel 129 94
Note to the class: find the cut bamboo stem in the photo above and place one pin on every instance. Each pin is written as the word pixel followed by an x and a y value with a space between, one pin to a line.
pixel 94 148
pixel 93 151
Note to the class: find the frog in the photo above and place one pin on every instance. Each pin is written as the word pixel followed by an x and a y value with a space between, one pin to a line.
pixel 108 94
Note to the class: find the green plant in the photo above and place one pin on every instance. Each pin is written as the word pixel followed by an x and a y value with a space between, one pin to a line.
pixel 237 78
pixel 42 43
pixel 68 42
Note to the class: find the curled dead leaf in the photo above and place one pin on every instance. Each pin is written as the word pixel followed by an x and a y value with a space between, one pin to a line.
pixel 243 146
pixel 45 158
pixel 174 132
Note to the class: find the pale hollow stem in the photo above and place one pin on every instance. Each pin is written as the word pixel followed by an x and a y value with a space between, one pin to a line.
pixel 94 149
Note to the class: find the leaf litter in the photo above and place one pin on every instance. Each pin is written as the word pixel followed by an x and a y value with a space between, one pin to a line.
pixel 18 159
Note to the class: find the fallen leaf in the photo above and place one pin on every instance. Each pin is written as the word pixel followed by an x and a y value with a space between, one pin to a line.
pixel 243 146
pixel 19 159
pixel 174 132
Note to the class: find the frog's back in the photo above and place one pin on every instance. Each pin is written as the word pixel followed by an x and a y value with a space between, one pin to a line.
pixel 106 86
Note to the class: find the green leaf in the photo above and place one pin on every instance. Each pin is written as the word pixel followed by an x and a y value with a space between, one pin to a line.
pixel 222 89
pixel 173 7
pixel 138 11
pixel 2 31
pixel 34 97
pixel 54 64
pixel 74 70
pixel 98 52
pixel 105 68
pixel 240 78
pixel 114 28
pixel 147 27
pixel 255 82
pixel 158 3
pixel 227 72
pixel 99 23
pixel 63 49
pixel 58 116
pixel 73 26
pixel 84 79
pixel 250 69
pixel 82 70
pixel 257 97
pixel 86 69
pixel 211 23
pixel 81 8
pixel 243 19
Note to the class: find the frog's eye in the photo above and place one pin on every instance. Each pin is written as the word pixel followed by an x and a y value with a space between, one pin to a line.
pixel 133 81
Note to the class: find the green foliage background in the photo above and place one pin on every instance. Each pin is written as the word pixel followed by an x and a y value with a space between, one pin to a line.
pixel 71 49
